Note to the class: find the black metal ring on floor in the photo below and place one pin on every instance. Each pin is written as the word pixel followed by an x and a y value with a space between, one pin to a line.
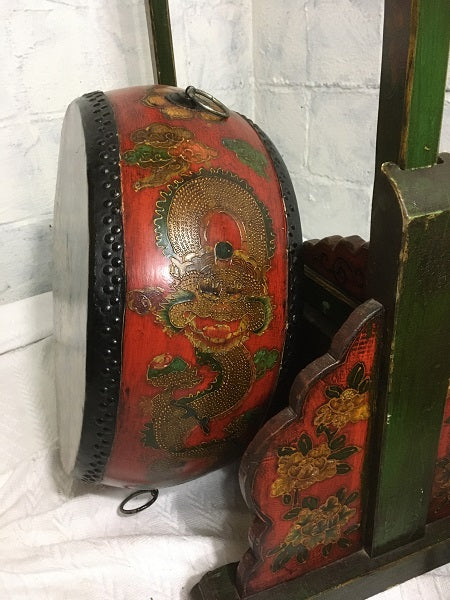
pixel 132 511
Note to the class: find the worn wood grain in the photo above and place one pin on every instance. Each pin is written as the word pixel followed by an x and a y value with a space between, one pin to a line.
pixel 425 83
pixel 160 37
pixel 412 86
pixel 408 273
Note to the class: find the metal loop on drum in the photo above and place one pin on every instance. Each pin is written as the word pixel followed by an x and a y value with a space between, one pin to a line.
pixel 214 106
pixel 132 511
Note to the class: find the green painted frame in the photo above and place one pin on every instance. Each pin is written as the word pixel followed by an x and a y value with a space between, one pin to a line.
pixel 409 256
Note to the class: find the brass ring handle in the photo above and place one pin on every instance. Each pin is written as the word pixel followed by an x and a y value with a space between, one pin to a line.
pixel 214 106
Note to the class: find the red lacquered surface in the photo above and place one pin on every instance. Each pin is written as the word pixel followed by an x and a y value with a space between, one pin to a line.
pixel 206 278
pixel 302 474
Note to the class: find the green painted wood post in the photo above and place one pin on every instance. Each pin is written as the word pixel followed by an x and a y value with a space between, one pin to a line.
pixel 409 264
pixel 160 36
pixel 414 64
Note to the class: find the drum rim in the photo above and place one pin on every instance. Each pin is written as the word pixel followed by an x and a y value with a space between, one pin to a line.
pixel 294 302
pixel 106 287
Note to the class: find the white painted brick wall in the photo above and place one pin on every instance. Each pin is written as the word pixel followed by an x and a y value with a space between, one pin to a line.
pixel 306 71
pixel 213 48
pixel 331 99
pixel 344 42
pixel 317 70
pixel 53 52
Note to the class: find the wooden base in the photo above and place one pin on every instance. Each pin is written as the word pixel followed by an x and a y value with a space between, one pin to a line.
pixel 357 577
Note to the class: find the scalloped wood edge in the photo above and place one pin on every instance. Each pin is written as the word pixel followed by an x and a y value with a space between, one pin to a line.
pixel 340 260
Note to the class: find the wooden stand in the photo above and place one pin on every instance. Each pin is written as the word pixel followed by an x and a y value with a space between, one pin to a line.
pixel 349 485
pixel 390 519
pixel 355 577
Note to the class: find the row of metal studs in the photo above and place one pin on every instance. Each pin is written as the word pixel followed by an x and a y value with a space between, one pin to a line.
pixel 295 266
pixel 102 392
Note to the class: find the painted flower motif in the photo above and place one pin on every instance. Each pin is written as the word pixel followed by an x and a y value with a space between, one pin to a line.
pixel 323 525
pixel 159 99
pixel 298 471
pixel 348 405
pixel 192 151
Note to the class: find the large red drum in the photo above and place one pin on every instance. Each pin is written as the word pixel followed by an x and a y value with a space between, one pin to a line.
pixel 177 285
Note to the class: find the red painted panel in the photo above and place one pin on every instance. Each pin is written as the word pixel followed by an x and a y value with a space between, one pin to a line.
pixel 302 474
pixel 206 278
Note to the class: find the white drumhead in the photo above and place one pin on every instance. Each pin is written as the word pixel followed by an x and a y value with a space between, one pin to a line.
pixel 70 287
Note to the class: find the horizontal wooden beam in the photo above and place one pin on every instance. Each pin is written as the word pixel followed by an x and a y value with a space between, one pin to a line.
pixel 357 576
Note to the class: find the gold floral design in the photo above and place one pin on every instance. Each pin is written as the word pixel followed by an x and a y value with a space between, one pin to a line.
pixel 322 525
pixel 348 405
pixel 305 464
pixel 298 472
pixel 315 525
pixel 159 99
pixel 301 466
pixel 167 151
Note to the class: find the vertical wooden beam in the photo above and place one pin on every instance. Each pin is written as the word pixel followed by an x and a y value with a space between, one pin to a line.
pixel 408 272
pixel 415 54
pixel 160 35
pixel 426 78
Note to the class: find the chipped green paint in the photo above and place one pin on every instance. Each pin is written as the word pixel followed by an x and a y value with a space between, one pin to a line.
pixel 408 274
pixel 265 360
pixel 415 55
pixel 425 83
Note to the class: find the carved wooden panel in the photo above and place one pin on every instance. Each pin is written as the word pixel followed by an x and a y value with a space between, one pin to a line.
pixel 341 260
pixel 302 474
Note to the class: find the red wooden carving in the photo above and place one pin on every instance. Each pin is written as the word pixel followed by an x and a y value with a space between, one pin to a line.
pixel 343 261
pixel 440 495
pixel 302 474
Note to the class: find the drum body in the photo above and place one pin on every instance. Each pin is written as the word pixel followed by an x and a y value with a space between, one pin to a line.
pixel 177 285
